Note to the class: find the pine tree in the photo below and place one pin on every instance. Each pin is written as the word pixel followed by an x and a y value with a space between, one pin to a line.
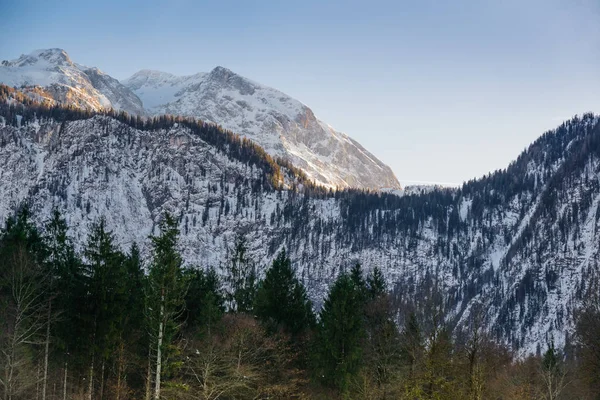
pixel 412 344
pixel 241 278
pixel 281 300
pixel 376 284
pixel 340 333
pixel 204 302
pixel 166 294
pixel 66 288
pixel 382 344
pixel 356 275
pixel 131 319
pixel 107 298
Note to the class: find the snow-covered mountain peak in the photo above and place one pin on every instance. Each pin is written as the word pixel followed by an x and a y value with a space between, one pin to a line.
pixel 67 82
pixel 50 57
pixel 149 77
pixel 282 125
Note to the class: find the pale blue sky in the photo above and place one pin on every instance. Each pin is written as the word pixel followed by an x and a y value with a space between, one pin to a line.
pixel 442 91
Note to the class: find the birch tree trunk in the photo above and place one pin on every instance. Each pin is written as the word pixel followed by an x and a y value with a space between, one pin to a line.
pixel 102 380
pixel 120 368
pixel 91 382
pixel 65 381
pixel 159 350
pixel 149 373
pixel 46 351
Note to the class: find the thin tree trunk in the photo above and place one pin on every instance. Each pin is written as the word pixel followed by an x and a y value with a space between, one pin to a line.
pixel 159 350
pixel 120 368
pixel 46 351
pixel 149 373
pixel 102 381
pixel 119 372
pixel 37 382
pixel 91 382
pixel 65 381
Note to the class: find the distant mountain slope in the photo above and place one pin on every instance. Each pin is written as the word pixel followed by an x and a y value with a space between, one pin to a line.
pixel 69 83
pixel 283 126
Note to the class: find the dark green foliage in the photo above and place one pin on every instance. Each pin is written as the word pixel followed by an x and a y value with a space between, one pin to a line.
pixel 376 284
pixel 340 334
pixel 204 301
pixel 241 278
pixel 106 289
pixel 281 300
pixel 356 275
pixel 19 230
pixel 165 294
pixel 68 287
pixel 551 359
pixel 412 340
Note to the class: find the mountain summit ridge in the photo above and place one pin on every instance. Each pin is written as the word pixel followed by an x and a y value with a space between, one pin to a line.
pixel 282 125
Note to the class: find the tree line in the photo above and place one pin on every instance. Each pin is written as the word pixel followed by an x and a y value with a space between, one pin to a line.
pixel 102 323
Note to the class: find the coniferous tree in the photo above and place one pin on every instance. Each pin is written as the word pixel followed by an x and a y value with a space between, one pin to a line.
pixel 241 278
pixel 281 300
pixel 382 344
pixel 166 292
pixel 412 344
pixel 131 321
pixel 360 283
pixel 376 283
pixel 204 302
pixel 67 295
pixel 107 299
pixel 340 333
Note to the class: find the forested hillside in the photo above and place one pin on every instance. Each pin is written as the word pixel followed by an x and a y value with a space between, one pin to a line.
pixel 100 325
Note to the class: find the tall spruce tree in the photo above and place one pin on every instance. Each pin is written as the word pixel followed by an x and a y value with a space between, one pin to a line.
pixel 376 284
pixel 107 299
pixel 340 333
pixel 67 294
pixel 241 278
pixel 131 322
pixel 281 300
pixel 204 302
pixel 166 292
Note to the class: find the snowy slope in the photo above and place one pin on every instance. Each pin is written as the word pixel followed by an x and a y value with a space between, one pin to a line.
pixel 69 83
pixel 283 126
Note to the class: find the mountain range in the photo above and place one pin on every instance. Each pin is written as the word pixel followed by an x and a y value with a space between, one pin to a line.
pixel 283 126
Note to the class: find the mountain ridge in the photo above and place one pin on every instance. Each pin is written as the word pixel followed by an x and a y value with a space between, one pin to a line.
pixel 283 126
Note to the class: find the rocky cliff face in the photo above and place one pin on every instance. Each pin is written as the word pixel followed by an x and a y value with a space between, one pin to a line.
pixel 283 126
pixel 521 244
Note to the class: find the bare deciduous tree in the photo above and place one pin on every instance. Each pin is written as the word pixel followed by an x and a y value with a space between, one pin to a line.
pixel 23 319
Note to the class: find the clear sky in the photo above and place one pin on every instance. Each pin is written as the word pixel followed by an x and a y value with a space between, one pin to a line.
pixel 442 91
